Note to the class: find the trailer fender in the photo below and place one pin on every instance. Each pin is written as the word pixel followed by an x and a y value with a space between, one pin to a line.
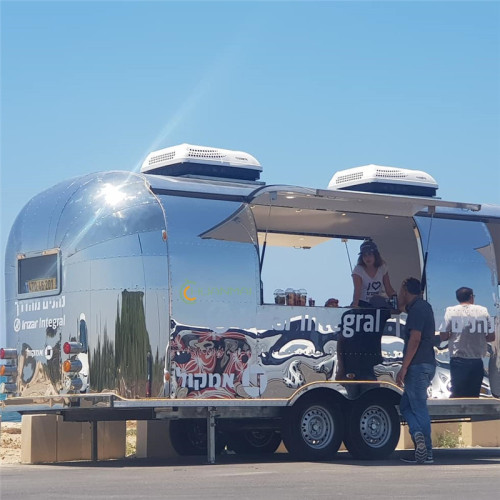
pixel 348 390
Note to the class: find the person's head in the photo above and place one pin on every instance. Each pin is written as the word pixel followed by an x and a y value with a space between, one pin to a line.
pixel 369 254
pixel 332 303
pixel 465 294
pixel 410 288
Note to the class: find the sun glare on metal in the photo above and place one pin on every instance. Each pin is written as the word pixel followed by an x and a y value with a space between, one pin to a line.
pixel 112 194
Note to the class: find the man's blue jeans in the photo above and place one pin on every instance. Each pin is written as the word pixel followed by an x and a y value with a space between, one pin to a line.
pixel 413 405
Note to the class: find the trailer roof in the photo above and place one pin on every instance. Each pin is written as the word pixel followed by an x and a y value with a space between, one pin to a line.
pixel 319 199
pixel 180 186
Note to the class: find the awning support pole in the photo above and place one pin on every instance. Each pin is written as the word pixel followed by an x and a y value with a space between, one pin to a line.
pixel 211 435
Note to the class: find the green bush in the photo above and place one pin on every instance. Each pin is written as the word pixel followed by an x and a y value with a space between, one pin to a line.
pixel 448 439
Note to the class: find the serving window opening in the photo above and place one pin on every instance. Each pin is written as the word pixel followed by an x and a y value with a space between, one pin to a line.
pixel 307 270
pixel 311 251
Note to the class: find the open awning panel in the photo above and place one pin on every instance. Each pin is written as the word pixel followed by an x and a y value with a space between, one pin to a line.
pixel 350 201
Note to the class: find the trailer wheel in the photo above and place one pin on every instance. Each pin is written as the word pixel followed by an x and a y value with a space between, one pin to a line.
pixel 189 437
pixel 254 442
pixel 313 429
pixel 372 428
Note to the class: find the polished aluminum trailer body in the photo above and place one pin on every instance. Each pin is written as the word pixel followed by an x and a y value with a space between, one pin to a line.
pixel 157 282
pixel 170 266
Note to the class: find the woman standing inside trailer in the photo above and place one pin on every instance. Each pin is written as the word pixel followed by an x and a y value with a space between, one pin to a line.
pixel 370 276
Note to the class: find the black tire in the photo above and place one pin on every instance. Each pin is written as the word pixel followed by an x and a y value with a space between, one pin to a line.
pixel 189 437
pixel 372 428
pixel 254 442
pixel 313 429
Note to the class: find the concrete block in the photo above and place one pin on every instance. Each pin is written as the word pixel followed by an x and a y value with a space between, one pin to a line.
pixel 405 442
pixel 153 439
pixel 38 439
pixel 73 441
pixel 111 440
pixel 48 439
pixel 438 429
pixel 481 433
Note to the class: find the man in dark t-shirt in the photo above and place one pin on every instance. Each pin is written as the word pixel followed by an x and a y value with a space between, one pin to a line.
pixel 418 368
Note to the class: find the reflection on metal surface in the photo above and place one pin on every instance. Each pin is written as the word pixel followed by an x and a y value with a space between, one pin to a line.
pixel 206 364
pixel 462 256
pixel 239 227
pixel 193 301
pixel 123 364
pixel 105 232
pixel 271 363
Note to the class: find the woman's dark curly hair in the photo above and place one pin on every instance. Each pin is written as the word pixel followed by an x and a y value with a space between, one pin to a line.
pixel 378 259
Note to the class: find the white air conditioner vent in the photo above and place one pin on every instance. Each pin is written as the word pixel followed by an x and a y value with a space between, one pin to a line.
pixel 391 173
pixel 154 160
pixel 186 160
pixel 349 177
pixel 206 153
pixel 387 180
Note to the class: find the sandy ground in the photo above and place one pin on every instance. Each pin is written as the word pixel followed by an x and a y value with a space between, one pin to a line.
pixel 10 441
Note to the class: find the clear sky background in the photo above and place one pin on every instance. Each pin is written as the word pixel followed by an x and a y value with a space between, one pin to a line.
pixel 308 88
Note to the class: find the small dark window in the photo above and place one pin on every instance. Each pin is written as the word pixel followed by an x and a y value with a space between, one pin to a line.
pixel 38 274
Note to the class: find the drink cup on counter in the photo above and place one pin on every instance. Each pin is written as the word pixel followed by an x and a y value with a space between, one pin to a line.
pixel 312 302
pixel 290 296
pixel 279 297
pixel 302 297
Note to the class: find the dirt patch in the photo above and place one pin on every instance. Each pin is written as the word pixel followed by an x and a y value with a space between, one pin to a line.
pixel 10 442
pixel 130 448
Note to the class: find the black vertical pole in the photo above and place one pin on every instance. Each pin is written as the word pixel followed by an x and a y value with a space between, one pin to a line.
pixel 94 450
pixel 149 360
pixel 423 281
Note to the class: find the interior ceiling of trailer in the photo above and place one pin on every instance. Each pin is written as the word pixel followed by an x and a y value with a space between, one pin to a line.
pixel 302 217
pixel 307 228
pixel 291 240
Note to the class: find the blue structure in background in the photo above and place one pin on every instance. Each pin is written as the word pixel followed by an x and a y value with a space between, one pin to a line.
pixel 8 416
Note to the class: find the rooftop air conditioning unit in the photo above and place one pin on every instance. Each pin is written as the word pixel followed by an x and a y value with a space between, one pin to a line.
pixel 387 180
pixel 186 160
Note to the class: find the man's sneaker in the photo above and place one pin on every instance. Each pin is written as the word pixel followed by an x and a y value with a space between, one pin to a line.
pixel 420 448
pixel 428 460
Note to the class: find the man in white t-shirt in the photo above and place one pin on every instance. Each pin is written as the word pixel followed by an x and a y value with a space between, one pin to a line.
pixel 468 327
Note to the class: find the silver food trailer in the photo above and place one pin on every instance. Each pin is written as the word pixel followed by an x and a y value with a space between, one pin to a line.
pixel 143 296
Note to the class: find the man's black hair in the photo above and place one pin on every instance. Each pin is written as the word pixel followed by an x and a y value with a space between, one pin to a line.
pixel 464 294
pixel 413 286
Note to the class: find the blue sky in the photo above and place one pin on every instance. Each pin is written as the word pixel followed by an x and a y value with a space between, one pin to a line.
pixel 308 88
